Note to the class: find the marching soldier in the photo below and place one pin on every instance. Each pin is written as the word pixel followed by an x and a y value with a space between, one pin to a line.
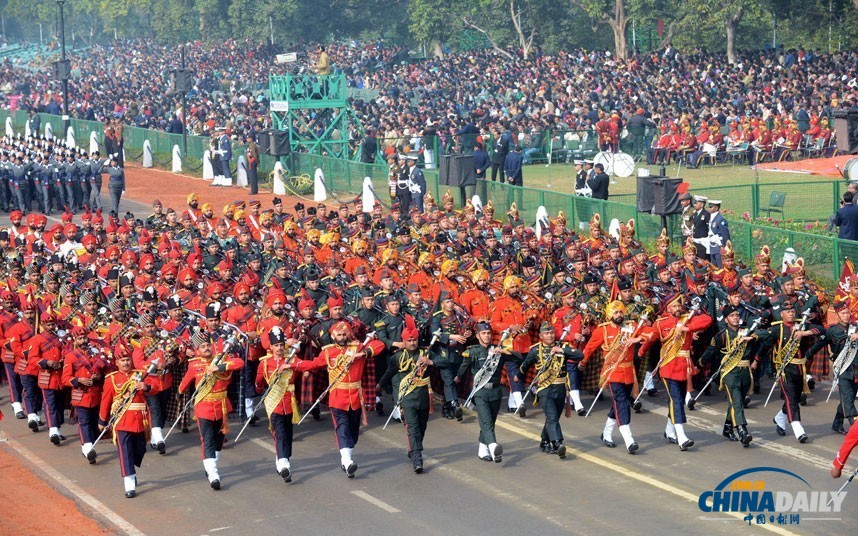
pixel 676 333
pixel 789 344
pixel 154 350
pixel 455 331
pixel 408 369
pixel 483 359
pixel 211 375
pixel 732 344
pixel 841 339
pixel 550 360
pixel 123 404
pixel 85 372
pixel 275 372
pixel 617 341
pixel 344 360
pixel 45 351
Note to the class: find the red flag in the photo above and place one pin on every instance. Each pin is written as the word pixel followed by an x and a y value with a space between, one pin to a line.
pixel 845 281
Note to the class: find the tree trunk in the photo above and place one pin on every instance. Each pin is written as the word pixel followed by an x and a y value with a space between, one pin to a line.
pixel 436 47
pixel 618 24
pixel 731 22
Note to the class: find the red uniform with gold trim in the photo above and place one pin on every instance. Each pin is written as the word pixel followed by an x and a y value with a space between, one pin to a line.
pixel 347 395
pixel 509 311
pixel 215 406
pixel 478 304
pixel 79 364
pixel 244 318
pixel 604 336
pixel 141 361
pixel 680 367
pixel 136 417
pixel 267 370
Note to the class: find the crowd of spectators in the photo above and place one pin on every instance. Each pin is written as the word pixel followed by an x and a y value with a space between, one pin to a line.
pixel 549 91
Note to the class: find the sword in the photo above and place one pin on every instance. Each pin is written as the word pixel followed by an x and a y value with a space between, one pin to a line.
pixel 435 336
pixel 292 352
pixel 335 382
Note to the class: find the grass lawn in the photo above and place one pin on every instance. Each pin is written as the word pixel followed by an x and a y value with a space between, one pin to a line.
pixel 809 197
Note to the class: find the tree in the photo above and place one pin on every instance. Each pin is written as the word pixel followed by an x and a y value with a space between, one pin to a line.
pixel 613 14
pixel 432 22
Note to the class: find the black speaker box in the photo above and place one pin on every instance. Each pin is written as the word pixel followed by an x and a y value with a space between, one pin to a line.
pixel 658 195
pixel 846 126
pixel 183 80
pixel 279 143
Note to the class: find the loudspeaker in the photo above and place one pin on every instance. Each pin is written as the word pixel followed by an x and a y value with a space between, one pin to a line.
pixel 454 170
pixel 183 80
pixel 279 143
pixel 846 125
pixel 61 70
pixel 263 141
pixel 657 195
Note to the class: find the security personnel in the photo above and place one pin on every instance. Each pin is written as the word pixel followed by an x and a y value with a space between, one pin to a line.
pixel 211 374
pixel 275 373
pixel 700 227
pixel 408 369
pixel 132 424
pixel 737 378
pixel 487 399
pixel 550 360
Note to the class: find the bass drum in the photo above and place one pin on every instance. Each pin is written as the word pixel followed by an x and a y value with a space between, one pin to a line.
pixel 620 164
pixel 850 170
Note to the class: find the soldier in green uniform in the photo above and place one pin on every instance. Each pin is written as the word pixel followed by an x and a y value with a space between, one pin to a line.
pixel 455 330
pixel 550 359
pixel 836 337
pixel 408 369
pixel 736 348
pixel 487 399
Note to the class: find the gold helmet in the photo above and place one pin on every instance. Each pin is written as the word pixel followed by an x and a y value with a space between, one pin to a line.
pixel 663 239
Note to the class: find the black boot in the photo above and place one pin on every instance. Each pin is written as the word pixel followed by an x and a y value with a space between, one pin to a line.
pixel 729 433
pixel 456 410
pixel 316 413
pixel 446 411
pixel 417 461
pixel 544 446
pixel 837 425
pixel 558 448
pixel 744 436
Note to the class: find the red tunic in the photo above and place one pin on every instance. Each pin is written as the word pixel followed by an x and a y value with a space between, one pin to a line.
pixel 215 405
pixel 603 337
pixel 46 347
pixel 141 361
pixel 347 394
pixel 268 366
pixel 508 312
pixel 78 364
pixel 478 304
pixel 680 367
pixel 136 417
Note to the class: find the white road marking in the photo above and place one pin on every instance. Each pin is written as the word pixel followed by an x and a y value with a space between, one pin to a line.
pixel 78 492
pixel 377 502
pixel 628 472
pixel 219 529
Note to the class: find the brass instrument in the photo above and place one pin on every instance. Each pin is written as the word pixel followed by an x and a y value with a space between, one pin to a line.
pixel 278 385
pixel 844 359
pixel 412 380
pixel 787 352
pixel 672 347
pixel 123 399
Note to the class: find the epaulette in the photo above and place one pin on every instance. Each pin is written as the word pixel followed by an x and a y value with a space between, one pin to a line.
pixel 266 356
pixel 603 324
pixel 379 324
pixel 111 374
pixel 328 345
pixel 436 313
pixel 532 346
pixel 779 322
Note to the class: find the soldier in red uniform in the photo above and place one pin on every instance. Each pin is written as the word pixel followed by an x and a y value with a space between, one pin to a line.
pixel 46 359
pixel 477 301
pixel 84 372
pixel 153 350
pixel 211 375
pixel 17 342
pixel 9 318
pixel 280 403
pixel 618 370
pixel 243 315
pixel 676 333
pixel 123 399
pixel 345 360
pixel 509 314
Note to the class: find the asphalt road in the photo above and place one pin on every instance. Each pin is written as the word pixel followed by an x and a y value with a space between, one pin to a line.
pixel 595 490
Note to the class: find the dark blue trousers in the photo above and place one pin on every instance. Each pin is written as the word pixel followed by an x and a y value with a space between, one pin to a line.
pixel 346 427
pixel 281 429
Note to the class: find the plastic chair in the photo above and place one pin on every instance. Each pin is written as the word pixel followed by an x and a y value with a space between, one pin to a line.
pixel 776 204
